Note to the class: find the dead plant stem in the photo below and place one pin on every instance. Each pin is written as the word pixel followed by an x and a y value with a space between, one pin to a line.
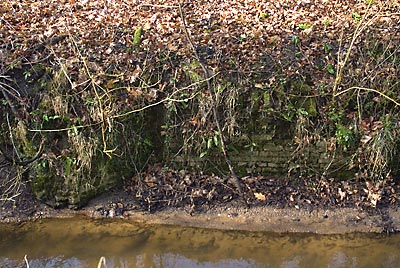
pixel 10 103
pixel 359 29
pixel 159 6
pixel 210 88
pixel 102 262
pixel 105 122
pixel 12 137
pixel 370 90
pixel 26 261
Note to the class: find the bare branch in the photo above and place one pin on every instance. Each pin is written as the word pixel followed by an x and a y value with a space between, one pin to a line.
pixel 210 88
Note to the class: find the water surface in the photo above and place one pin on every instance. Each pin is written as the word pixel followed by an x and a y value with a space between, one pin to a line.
pixel 80 242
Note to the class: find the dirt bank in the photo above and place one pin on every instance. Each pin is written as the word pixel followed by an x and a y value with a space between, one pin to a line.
pixel 277 205
pixel 231 216
pixel 235 216
pixel 97 80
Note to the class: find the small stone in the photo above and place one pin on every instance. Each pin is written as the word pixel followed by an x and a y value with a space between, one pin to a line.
pixel 111 213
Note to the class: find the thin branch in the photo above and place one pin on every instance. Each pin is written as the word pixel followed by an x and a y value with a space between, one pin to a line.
pixel 64 129
pixel 119 115
pixel 12 137
pixel 5 93
pixel 105 122
pixel 25 162
pixel 102 262
pixel 26 261
pixel 160 6
pixel 210 87
pixel 359 29
pixel 153 104
pixel 370 90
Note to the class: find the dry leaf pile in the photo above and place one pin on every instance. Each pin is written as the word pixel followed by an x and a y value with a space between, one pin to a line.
pixel 262 36
pixel 159 188
pixel 119 41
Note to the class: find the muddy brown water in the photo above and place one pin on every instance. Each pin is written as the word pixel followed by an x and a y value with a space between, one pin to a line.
pixel 81 242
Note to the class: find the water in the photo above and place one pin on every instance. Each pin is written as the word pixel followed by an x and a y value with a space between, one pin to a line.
pixel 80 242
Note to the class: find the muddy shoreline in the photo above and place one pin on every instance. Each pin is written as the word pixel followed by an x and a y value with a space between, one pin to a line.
pixel 273 205
pixel 230 216
pixel 286 107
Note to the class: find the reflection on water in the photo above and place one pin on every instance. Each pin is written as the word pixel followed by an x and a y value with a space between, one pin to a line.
pixel 75 243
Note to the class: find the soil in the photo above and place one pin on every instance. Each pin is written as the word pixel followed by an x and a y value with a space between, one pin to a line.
pixel 226 212
pixel 296 204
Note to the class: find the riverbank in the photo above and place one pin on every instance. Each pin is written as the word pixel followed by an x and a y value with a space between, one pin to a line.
pixel 235 216
pixel 230 216
pixel 272 204
pixel 153 98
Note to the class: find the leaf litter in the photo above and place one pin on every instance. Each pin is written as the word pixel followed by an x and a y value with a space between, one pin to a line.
pixel 106 33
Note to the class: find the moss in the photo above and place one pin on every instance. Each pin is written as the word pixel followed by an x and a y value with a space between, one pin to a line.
pixel 263 16
pixel 26 145
pixel 310 106
pixel 75 170
pixel 267 100
pixel 68 162
pixel 44 181
pixel 72 187
pixel 345 137
pixel 137 37
pixel 191 71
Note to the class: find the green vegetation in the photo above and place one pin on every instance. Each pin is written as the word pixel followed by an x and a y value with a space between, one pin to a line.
pixel 137 37
pixel 106 110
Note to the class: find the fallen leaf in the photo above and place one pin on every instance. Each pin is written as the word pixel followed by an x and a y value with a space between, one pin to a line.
pixel 365 139
pixel 341 194
pixel 110 83
pixel 259 196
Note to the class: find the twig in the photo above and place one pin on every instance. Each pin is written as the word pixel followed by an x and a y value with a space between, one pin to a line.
pixel 50 41
pixel 5 92
pixel 12 137
pixel 357 32
pixel 152 105
pixel 167 99
pixel 105 121
pixel 235 178
pixel 102 262
pixel 64 129
pixel 370 90
pixel 26 162
pixel 161 6
pixel 26 261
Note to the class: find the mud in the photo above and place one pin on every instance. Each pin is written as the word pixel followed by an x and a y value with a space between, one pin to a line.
pixel 230 216
pixel 235 216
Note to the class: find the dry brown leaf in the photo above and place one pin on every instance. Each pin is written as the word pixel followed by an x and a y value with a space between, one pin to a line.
pixel 341 194
pixel 110 83
pixel 259 196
